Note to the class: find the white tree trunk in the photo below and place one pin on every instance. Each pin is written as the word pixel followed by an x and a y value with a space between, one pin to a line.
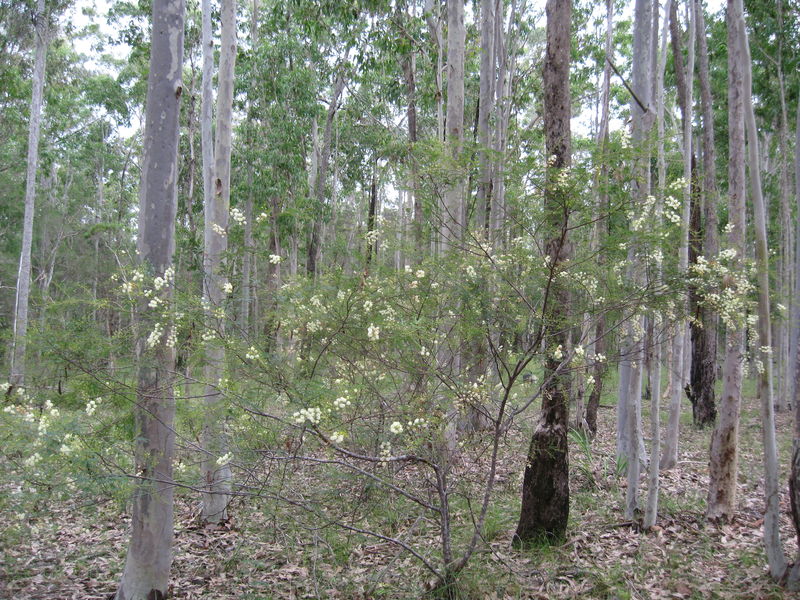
pixel 651 511
pixel 485 105
pixel 24 274
pixel 630 442
pixel 724 458
pixel 149 557
pixel 217 477
pixel 772 537
pixel 679 344
pixel 247 255
pixel 433 19
pixel 452 221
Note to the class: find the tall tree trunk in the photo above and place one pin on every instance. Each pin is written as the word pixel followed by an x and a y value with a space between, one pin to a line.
pixel 149 557
pixel 794 477
pixel 724 456
pixel 452 221
pixel 433 18
pixel 216 476
pixel 545 487
pixel 684 79
pixel 409 74
pixel 632 343
pixel 505 55
pixel 372 239
pixel 19 341
pixel 453 217
pixel 654 375
pixel 704 337
pixel 772 537
pixel 784 288
pixel 485 105
pixel 320 180
pixel 247 253
pixel 794 352
pixel 600 225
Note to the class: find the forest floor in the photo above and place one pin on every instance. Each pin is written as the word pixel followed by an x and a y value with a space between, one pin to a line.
pixel 77 551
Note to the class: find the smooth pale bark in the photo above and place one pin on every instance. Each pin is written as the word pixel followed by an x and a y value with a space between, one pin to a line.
pixel 505 55
pixel 485 107
pixel 704 336
pixel 785 265
pixel 772 537
pixel 410 74
pixel 207 105
pixel 497 200
pixel 452 218
pixel 433 19
pixel 321 176
pixel 20 333
pixel 724 455
pixel 545 488
pixel 149 557
pixel 598 230
pixel 630 442
pixel 217 477
pixel 794 477
pixel 654 375
pixel 684 80
pixel 247 253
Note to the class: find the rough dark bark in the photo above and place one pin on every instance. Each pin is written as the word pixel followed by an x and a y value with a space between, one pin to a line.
pixel 372 245
pixel 700 389
pixel 704 338
pixel 545 488
pixel 598 372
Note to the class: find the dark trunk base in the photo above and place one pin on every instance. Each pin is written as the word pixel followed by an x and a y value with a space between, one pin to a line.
pixel 598 372
pixel 700 390
pixel 545 489
pixel 794 488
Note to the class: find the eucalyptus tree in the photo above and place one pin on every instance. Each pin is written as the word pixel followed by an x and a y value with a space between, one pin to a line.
pixel 452 221
pixel 724 460
pixel 654 374
pixel 485 105
pixel 704 334
pixel 545 488
pixel 216 474
pixel 318 173
pixel 630 445
pixel 248 242
pixel 772 538
pixel 599 185
pixel 794 475
pixel 20 332
pixel 684 77
pixel 146 572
